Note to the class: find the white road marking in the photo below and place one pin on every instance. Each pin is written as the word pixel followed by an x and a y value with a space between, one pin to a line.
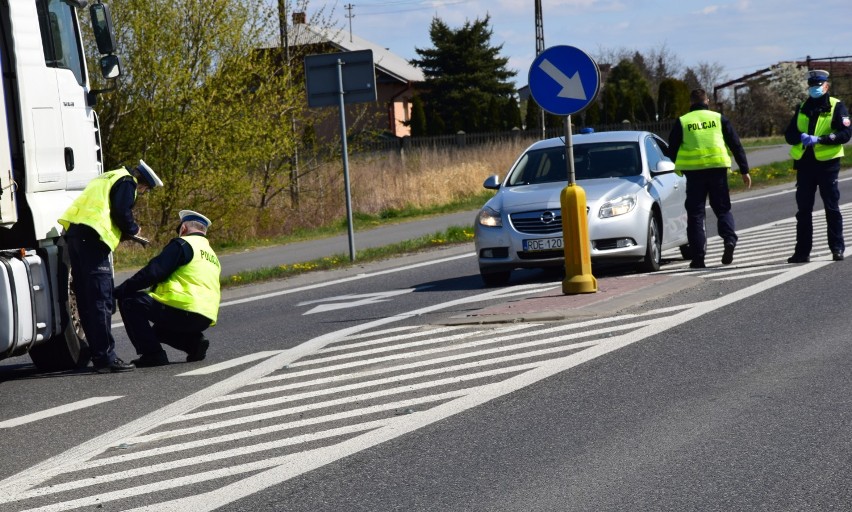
pixel 290 466
pixel 224 365
pixel 12 486
pixel 351 301
pixel 55 411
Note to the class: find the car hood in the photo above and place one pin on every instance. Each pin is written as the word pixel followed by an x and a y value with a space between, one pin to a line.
pixel 547 195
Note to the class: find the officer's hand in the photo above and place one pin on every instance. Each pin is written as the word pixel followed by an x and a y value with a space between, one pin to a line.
pixel 809 140
pixel 747 180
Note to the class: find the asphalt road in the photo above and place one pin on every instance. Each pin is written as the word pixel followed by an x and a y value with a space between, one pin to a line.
pixel 358 389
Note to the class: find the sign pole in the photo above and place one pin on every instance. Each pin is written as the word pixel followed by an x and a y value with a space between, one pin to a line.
pixel 563 80
pixel 329 83
pixel 575 229
pixel 345 162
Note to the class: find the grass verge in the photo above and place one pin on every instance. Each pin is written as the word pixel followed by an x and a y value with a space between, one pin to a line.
pixel 453 235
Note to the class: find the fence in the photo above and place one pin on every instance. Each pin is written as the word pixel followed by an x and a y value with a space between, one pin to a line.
pixel 461 139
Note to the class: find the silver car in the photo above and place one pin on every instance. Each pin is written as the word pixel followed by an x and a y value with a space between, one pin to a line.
pixel 634 199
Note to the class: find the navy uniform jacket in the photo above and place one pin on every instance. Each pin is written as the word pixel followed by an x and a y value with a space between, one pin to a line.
pixel 175 254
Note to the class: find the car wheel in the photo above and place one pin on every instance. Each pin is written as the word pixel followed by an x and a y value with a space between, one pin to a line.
pixel 685 252
pixel 654 249
pixel 500 278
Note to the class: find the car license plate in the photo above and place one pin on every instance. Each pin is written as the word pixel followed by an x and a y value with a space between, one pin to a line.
pixel 543 244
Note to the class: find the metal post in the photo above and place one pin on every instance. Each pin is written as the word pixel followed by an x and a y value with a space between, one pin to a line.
pixel 345 161
pixel 575 229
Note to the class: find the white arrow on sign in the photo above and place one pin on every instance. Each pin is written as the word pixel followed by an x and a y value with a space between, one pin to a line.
pixel 351 300
pixel 571 87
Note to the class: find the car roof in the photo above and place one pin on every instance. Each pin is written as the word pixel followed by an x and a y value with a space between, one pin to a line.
pixel 587 138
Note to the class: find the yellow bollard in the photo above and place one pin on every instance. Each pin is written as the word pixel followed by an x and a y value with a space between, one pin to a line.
pixel 575 238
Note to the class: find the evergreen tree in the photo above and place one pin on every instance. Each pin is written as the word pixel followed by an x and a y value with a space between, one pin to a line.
pixel 418 117
pixel 673 100
pixel 463 73
pixel 626 95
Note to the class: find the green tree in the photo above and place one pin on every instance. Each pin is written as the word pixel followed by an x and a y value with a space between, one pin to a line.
pixel 418 117
pixel 200 105
pixel 463 73
pixel 626 95
pixel 673 100
pixel 510 114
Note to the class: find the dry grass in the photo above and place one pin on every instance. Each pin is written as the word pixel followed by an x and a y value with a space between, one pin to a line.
pixel 426 178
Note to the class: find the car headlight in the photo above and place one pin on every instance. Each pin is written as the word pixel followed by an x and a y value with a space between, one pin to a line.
pixel 490 217
pixel 617 206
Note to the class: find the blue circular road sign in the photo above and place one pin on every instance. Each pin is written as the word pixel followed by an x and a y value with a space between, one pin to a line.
pixel 564 80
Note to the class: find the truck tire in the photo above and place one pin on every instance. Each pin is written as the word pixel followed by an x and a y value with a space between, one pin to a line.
pixel 67 350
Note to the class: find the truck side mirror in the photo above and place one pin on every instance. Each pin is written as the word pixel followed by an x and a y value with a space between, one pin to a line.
pixel 102 27
pixel 110 66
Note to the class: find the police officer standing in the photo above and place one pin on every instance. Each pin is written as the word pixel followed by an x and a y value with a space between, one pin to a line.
pixel 817 132
pixel 698 144
pixel 95 223
pixel 184 300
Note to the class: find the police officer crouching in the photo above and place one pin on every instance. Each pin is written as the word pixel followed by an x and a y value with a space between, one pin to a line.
pixel 184 296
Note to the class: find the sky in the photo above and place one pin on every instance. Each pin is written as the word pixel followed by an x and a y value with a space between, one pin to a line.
pixel 742 36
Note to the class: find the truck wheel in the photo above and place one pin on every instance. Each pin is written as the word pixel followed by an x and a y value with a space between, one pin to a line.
pixel 67 350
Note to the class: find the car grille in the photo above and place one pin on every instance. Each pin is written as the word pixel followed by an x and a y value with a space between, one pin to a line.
pixel 534 223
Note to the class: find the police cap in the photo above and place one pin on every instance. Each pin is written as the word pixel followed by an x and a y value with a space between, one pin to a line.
pixel 189 215
pixel 817 77
pixel 148 174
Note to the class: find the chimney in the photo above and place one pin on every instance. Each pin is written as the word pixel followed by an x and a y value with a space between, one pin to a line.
pixel 299 18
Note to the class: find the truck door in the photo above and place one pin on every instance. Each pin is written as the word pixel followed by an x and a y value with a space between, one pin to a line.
pixel 65 129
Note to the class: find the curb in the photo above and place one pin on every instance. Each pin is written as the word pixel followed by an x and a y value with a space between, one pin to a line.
pixel 614 294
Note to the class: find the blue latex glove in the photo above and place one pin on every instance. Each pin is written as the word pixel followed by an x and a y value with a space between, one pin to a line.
pixel 809 140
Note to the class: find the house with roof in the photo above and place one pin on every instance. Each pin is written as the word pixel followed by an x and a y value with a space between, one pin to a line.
pixel 395 77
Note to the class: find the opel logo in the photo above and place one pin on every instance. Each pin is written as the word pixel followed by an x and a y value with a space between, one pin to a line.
pixel 547 217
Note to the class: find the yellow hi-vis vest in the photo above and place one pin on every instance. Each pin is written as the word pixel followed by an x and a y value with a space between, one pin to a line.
pixel 195 286
pixel 92 208
pixel 822 152
pixel 703 145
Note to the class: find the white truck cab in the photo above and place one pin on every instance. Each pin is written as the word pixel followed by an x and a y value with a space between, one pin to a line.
pixel 49 150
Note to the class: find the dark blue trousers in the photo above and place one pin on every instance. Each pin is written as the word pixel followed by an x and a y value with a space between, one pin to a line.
pixel 91 280
pixel 174 327
pixel 807 183
pixel 701 184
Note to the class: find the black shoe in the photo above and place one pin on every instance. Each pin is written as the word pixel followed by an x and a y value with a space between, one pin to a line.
pixel 798 258
pixel 116 366
pixel 697 264
pixel 837 256
pixel 198 352
pixel 728 255
pixel 151 360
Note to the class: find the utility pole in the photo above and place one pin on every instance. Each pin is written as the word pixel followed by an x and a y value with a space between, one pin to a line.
pixel 349 8
pixel 294 160
pixel 539 47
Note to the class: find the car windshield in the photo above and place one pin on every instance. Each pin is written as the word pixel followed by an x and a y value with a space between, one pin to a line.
pixel 591 161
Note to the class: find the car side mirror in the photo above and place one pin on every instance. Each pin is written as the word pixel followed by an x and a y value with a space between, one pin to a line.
pixel 663 166
pixel 492 182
